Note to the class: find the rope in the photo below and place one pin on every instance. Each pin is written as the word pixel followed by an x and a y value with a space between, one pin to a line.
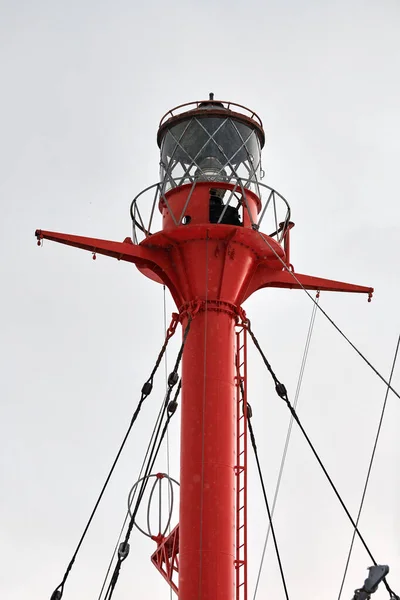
pixel 369 468
pixel 331 321
pixel 253 443
pixel 146 391
pixel 288 435
pixel 282 393
pixel 170 408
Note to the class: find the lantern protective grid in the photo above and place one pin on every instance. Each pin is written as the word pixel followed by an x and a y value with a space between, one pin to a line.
pixel 210 148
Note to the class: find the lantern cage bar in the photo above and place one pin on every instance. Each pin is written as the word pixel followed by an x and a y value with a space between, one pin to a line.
pixel 274 211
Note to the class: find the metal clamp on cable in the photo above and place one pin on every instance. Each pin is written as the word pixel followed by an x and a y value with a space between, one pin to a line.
pixel 123 550
pixel 147 387
pixel 377 573
pixel 173 379
pixel 172 406
pixel 281 390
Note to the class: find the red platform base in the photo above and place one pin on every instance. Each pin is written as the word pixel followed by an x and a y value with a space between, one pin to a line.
pixel 166 559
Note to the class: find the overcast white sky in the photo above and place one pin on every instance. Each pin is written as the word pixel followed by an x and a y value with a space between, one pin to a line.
pixel 83 85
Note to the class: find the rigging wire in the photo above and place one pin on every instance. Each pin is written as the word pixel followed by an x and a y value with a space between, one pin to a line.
pixel 146 391
pixel 288 436
pixel 331 321
pixel 369 468
pixel 169 408
pixel 166 380
pixel 167 437
pixel 123 549
pixel 282 393
pixel 254 445
pixel 166 363
pixel 134 494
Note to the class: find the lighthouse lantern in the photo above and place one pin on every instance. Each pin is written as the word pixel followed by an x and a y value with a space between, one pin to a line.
pixel 210 141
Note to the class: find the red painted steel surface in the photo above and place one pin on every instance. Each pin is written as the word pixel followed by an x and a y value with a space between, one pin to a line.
pixel 198 206
pixel 159 258
pixel 166 557
pixel 207 479
pixel 210 270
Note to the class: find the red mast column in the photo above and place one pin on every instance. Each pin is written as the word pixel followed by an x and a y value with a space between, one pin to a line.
pixel 210 255
pixel 207 499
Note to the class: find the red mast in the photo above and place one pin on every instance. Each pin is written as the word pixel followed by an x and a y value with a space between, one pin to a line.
pixel 211 255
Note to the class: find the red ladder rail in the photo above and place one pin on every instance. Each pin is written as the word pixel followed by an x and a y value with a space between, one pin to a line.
pixel 241 464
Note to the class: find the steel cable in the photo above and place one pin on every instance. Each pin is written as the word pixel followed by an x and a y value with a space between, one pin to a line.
pixel 369 469
pixel 364 358
pixel 124 546
pixel 282 393
pixel 151 442
pixel 146 391
pixel 288 436
pixel 254 445
pixel 123 550
pixel 166 384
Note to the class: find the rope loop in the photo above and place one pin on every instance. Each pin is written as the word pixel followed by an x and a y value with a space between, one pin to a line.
pixel 58 592
pixel 244 321
pixel 123 550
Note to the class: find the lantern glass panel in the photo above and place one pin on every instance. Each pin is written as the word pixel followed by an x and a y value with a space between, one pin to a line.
pixel 210 148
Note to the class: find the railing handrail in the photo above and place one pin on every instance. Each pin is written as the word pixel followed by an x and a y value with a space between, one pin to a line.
pixel 160 193
pixel 196 104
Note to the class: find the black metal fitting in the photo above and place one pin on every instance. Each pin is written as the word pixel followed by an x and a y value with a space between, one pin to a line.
pixel 172 406
pixel 147 388
pixel 123 550
pixel 173 379
pixel 281 390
